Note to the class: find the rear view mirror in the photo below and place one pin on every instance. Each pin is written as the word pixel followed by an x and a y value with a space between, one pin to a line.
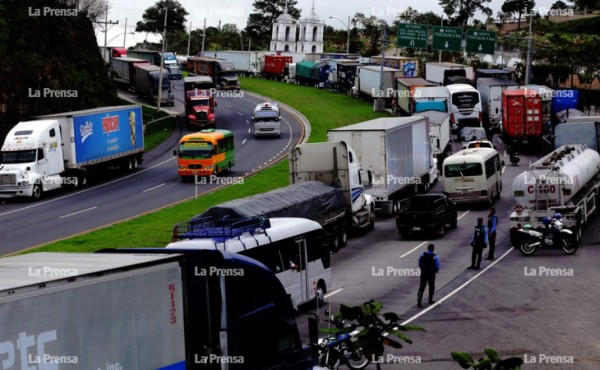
pixel 502 163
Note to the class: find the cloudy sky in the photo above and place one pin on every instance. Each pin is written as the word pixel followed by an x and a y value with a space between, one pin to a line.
pixel 237 11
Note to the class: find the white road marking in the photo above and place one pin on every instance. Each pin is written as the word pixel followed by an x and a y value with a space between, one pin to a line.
pixel 228 106
pixel 332 293
pixel 456 290
pixel 463 215
pixel 244 142
pixel 240 113
pixel 78 212
pixel 505 153
pixel 412 250
pixel 503 168
pixel 155 187
pixel 248 130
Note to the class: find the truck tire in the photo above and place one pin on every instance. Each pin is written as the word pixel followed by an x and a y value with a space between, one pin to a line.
pixel 320 293
pixel 403 234
pixel 37 191
pixel 371 224
pixel 343 235
pixel 81 180
pixel 454 222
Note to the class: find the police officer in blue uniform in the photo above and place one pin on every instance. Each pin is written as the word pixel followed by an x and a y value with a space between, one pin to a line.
pixel 429 263
pixel 479 243
pixel 492 225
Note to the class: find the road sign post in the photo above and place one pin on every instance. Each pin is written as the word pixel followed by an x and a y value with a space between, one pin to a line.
pixel 446 38
pixel 481 42
pixel 412 36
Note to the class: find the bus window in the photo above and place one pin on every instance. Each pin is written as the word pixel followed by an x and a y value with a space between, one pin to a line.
pixel 462 170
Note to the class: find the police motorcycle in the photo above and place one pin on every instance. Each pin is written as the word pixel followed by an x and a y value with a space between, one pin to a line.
pixel 338 347
pixel 553 236
pixel 514 158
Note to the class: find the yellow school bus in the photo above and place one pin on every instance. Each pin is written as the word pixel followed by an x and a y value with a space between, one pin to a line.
pixel 205 153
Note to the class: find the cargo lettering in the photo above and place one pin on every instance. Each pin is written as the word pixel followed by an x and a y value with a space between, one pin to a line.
pixel 8 350
pixel 86 130
pixel 110 124
pixel 543 189
pixel 173 310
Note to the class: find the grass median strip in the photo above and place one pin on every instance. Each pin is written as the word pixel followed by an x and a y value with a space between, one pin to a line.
pixel 323 109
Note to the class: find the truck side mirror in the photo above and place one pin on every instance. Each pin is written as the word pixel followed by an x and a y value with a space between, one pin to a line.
pixel 216 103
pixel 175 153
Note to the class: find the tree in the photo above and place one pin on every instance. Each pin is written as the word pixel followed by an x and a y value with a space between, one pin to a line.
pixel 154 17
pixel 459 11
pixel 370 33
pixel 559 5
pixel 95 10
pixel 519 7
pixel 587 4
pixel 266 12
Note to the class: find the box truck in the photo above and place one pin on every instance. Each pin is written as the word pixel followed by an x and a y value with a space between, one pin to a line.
pixel 222 71
pixel 439 72
pixel 440 133
pixel 405 93
pixel 170 63
pixel 276 66
pixel 490 90
pixel 408 66
pixel 366 83
pixel 245 62
pixel 63 149
pixel 398 153
pixel 522 118
pixel 145 309
pixel 431 98
pixel 123 70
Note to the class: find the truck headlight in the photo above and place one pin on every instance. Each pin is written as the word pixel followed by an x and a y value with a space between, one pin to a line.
pixel 182 167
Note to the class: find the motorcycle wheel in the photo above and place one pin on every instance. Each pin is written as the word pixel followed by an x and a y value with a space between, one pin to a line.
pixel 568 246
pixel 355 359
pixel 526 248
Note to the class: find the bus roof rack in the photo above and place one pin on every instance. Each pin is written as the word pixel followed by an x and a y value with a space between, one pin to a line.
pixel 219 230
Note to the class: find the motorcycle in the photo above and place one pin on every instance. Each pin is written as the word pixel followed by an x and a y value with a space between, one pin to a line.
pixel 340 348
pixel 514 158
pixel 553 236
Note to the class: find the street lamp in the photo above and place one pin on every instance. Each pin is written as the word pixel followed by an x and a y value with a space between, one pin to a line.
pixel 348 28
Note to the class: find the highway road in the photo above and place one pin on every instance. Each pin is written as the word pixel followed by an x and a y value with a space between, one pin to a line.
pixel 514 304
pixel 156 184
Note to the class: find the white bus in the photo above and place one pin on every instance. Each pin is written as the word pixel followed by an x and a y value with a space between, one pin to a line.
pixel 464 107
pixel 295 249
pixel 473 175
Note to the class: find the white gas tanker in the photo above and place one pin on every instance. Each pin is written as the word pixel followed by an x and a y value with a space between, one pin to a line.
pixel 566 181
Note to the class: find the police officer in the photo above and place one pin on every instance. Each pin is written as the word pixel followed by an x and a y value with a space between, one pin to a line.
pixel 492 224
pixel 478 242
pixel 429 263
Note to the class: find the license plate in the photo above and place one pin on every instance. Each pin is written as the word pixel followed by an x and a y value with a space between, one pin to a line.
pixel 416 228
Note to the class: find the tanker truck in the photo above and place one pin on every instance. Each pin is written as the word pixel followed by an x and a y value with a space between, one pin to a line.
pixel 566 181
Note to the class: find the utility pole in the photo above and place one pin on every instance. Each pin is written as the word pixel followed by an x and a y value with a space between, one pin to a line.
pixel 529 51
pixel 189 39
pixel 348 38
pixel 203 37
pixel 125 34
pixel 440 51
pixel 162 60
pixel 379 104
pixel 105 29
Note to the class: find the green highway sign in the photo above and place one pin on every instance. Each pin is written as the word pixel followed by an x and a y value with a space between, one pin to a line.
pixel 481 41
pixel 412 36
pixel 447 38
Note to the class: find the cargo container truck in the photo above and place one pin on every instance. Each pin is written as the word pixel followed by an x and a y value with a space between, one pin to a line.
pixel 565 181
pixel 366 83
pixel 439 132
pixel 147 78
pixel 504 74
pixel 431 98
pixel 146 309
pixel 490 90
pixel 170 63
pixel 221 71
pixel 408 66
pixel 200 102
pixel 397 151
pixel 546 94
pixel 522 118
pixel 63 149
pixel 346 74
pixel 587 133
pixel 405 93
pixel 439 72
pixel 276 66
pixel 245 62
pixel 304 72
pixel 564 99
pixel 123 69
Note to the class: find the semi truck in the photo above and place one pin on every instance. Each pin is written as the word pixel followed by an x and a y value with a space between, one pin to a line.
pixel 439 72
pixel 221 71
pixel 147 79
pixel 565 181
pixel 431 98
pixel 63 149
pixel 398 153
pixel 367 82
pixel 170 62
pixel 564 99
pixel 522 117
pixel 504 74
pixel 408 66
pixel 304 72
pixel 490 90
pixel 146 309
pixel 123 69
pixel 200 102
pixel 276 66
pixel 245 62
pixel 405 93
pixel 346 74
pixel 585 132
pixel 439 133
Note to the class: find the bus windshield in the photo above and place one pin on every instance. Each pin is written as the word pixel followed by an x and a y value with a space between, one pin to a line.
pixel 195 150
pixel 463 169
pixel 465 100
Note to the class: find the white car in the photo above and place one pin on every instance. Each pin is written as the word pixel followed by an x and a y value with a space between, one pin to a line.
pixel 478 144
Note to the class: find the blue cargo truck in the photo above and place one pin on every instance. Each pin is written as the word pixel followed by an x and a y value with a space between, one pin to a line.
pixel 170 63
pixel 63 149
pixel 146 309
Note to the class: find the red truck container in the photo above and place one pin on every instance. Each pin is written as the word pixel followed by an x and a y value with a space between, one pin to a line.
pixel 522 116
pixel 275 65
pixel 221 71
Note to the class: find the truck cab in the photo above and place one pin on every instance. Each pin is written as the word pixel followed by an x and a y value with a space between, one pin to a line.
pixel 266 120
pixel 200 109
pixel 31 160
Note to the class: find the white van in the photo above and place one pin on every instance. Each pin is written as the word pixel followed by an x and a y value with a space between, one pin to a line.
pixel 266 120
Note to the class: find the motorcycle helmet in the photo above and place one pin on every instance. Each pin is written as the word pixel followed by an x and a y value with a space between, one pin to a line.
pixel 557 216
pixel 546 221
pixel 527 227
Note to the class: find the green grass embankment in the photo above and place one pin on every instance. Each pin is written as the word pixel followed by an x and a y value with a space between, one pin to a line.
pixel 323 109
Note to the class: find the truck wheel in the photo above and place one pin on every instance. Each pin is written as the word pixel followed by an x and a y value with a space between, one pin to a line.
pixel 343 233
pixel 37 191
pixel 320 294
pixel 135 163
pixel 454 223
pixel 81 180
pixel 371 224
pixel 441 232
pixel 403 234
pixel 337 238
